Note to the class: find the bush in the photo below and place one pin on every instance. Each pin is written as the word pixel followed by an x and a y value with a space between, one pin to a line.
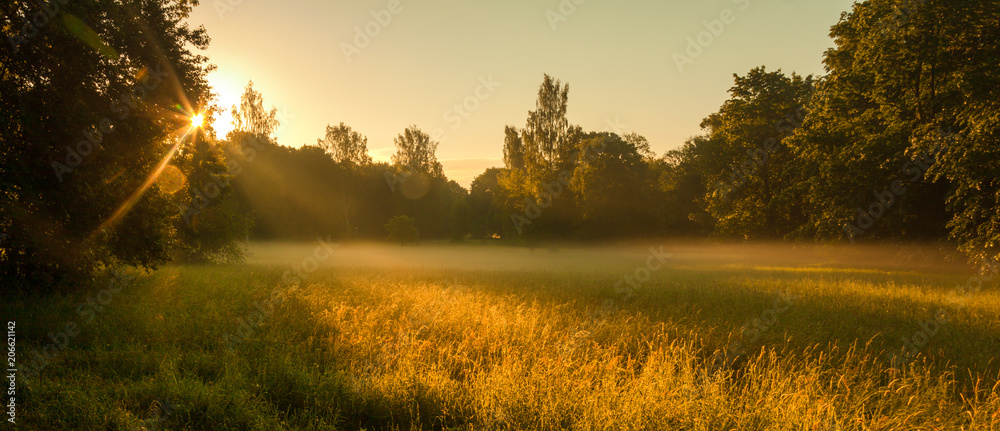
pixel 403 229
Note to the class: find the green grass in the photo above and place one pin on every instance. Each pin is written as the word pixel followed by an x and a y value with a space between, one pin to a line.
pixel 451 349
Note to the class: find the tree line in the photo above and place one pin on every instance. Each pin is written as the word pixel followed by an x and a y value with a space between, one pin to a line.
pixel 896 141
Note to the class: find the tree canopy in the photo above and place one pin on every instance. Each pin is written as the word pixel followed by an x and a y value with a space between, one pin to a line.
pixel 91 103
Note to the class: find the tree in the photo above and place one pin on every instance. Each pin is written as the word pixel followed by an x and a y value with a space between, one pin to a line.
pixel 403 229
pixel 610 186
pixel 640 143
pixel 214 220
pixel 212 223
pixel 541 157
pixel 680 190
pixel 461 220
pixel 746 163
pixel 910 99
pixel 546 133
pixel 513 148
pixel 345 145
pixel 87 116
pixel 415 153
pixel 250 116
pixel 252 134
pixel 485 199
pixel 349 149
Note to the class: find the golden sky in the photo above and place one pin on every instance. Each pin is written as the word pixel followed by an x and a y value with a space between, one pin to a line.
pixel 462 70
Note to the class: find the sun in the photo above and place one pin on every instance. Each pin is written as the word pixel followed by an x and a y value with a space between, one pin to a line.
pixel 197 120
pixel 226 95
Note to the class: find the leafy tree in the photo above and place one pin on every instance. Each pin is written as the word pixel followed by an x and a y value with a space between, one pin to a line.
pixel 514 196
pixel 212 224
pixel 610 183
pixel 951 51
pixel 377 202
pixel 215 221
pixel 350 150
pixel 547 128
pixel 539 162
pixel 415 153
pixel 746 163
pixel 640 143
pixel 513 148
pixel 486 202
pixel 680 190
pixel 403 229
pixel 549 141
pixel 900 85
pixel 461 220
pixel 86 117
pixel 345 145
pixel 251 117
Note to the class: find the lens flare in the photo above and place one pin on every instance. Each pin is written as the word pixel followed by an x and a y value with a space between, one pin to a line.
pixel 171 180
pixel 197 120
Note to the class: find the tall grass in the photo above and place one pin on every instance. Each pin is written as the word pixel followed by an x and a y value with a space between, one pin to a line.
pixel 477 350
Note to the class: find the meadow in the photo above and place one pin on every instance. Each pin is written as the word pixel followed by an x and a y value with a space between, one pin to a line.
pixel 479 338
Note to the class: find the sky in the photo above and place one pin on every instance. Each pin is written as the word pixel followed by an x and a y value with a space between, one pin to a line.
pixel 462 70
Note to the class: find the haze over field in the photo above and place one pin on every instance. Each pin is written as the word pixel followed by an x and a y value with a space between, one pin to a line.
pixel 576 258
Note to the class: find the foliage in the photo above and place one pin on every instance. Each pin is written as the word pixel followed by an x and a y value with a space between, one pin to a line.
pixel 614 170
pixel 513 148
pixel 909 99
pixel 212 226
pixel 461 220
pixel 679 184
pixel 345 145
pixel 251 117
pixel 86 117
pixel 902 83
pixel 486 202
pixel 403 229
pixel 415 153
pixel 748 168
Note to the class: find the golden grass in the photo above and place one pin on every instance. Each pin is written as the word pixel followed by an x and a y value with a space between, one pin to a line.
pixel 477 350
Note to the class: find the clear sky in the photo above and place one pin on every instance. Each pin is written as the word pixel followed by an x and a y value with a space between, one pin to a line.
pixel 426 57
